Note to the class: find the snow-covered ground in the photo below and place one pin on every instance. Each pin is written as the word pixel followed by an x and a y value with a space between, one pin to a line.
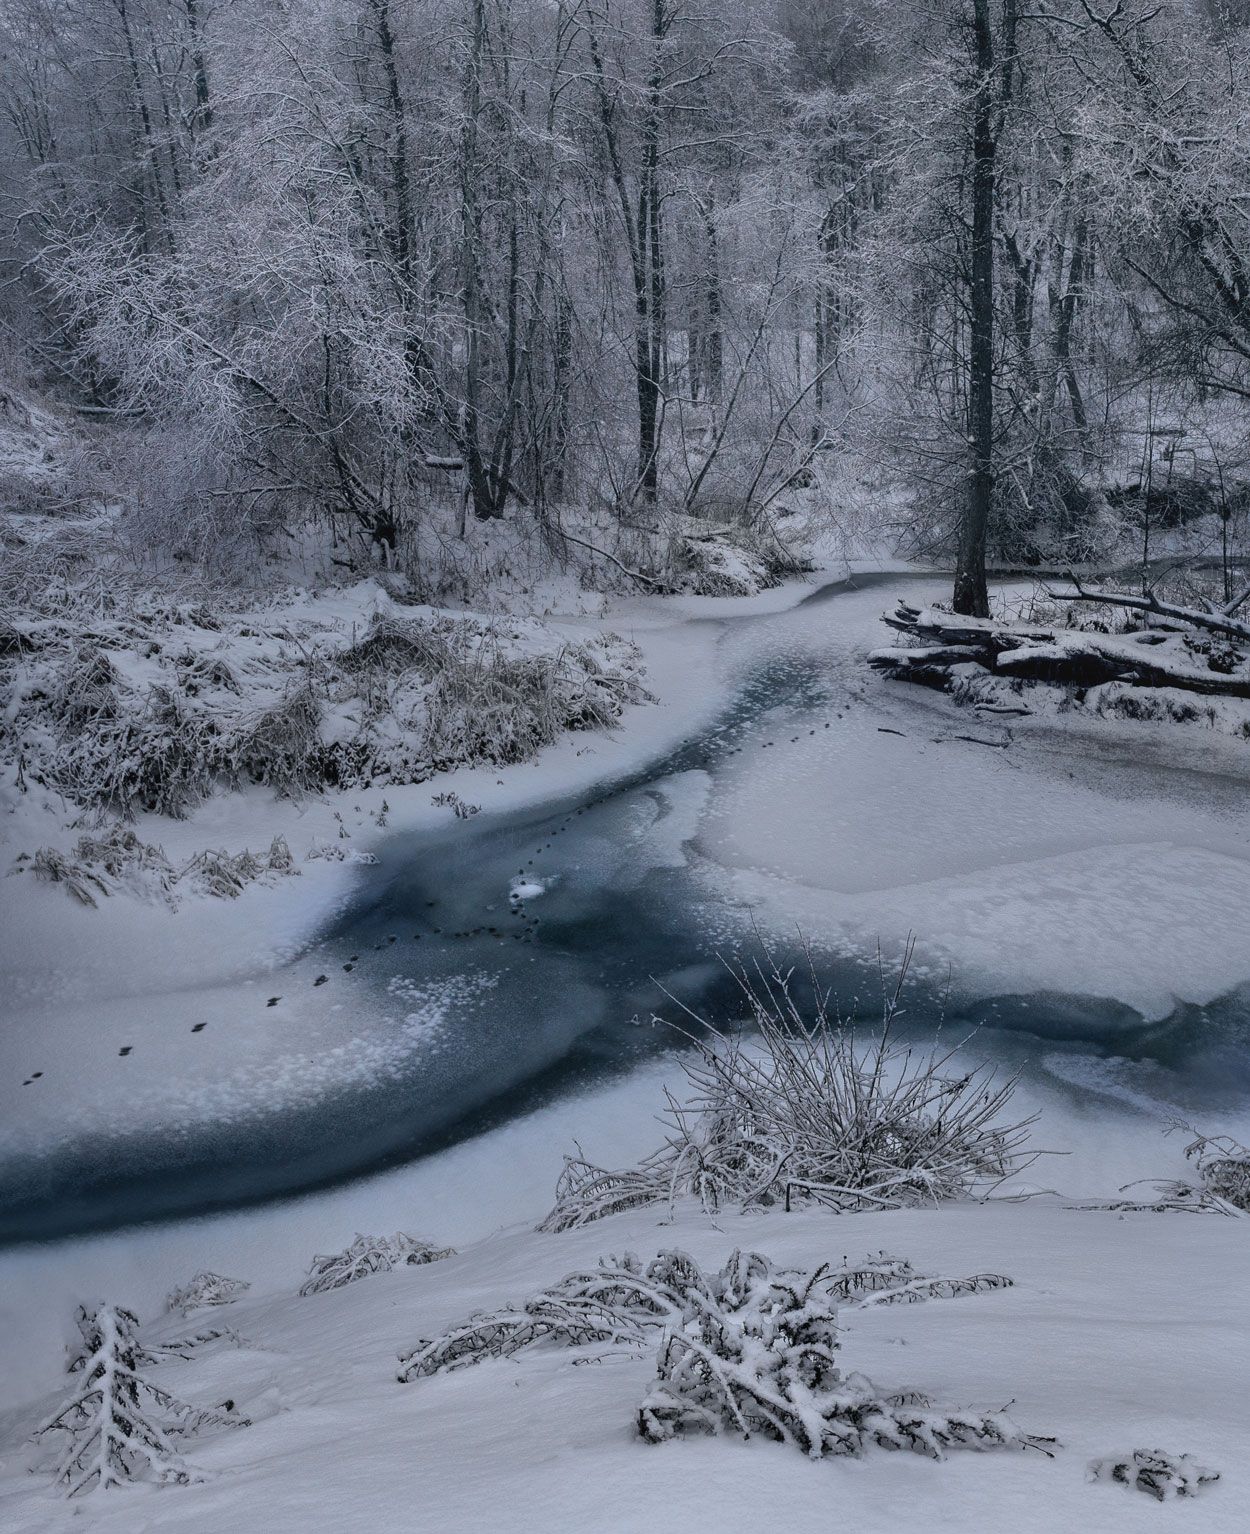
pixel 1119 1333
pixel 1083 857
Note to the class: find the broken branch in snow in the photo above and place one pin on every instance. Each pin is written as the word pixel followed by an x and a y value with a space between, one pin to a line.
pixel 1220 621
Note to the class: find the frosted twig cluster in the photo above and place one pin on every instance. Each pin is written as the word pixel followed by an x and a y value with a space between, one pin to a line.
pixel 370 1254
pixel 803 1107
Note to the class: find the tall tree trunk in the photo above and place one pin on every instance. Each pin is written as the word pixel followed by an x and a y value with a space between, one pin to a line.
pixel 475 466
pixel 203 115
pixel 145 119
pixel 971 596
pixel 714 338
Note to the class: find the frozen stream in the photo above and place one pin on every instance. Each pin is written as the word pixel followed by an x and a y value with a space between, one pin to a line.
pixel 1077 893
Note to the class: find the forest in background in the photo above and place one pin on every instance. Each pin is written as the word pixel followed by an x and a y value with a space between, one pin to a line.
pixel 398 269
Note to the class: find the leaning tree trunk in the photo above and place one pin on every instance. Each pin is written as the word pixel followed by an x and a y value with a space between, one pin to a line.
pixel 971 596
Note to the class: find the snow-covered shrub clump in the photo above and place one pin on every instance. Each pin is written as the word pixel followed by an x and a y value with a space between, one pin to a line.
pixel 807 1108
pixel 622 1301
pixel 370 1254
pixel 1223 1166
pixel 115 859
pixel 1158 1474
pixel 1222 1186
pixel 750 1348
pixel 125 701
pixel 118 1424
pixel 204 1290
pixel 755 1352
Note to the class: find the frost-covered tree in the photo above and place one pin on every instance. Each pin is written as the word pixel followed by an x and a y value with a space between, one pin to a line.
pixel 118 1424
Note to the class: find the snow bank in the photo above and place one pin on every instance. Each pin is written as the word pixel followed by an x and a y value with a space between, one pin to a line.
pixel 1117 1333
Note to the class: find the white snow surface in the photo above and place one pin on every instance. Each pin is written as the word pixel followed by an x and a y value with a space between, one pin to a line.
pixel 1071 855
pixel 1119 1333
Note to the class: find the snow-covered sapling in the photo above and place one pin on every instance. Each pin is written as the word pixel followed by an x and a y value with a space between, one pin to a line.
pixel 118 1425
pixel 203 1290
pixel 754 1352
pixel 370 1254
pixel 1158 1474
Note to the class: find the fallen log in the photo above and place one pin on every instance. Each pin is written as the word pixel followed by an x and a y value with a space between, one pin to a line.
pixel 947 645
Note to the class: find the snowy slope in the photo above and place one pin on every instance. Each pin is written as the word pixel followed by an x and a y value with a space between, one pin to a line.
pixel 1119 1333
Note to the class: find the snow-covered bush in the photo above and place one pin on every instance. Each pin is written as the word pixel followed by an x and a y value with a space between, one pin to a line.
pixel 115 858
pixel 1158 1474
pixel 203 1290
pixel 1223 1166
pixel 751 1348
pixel 370 1254
pixel 488 705
pixel 227 874
pixel 754 1352
pixel 1222 1186
pixel 622 1301
pixel 117 1424
pixel 807 1108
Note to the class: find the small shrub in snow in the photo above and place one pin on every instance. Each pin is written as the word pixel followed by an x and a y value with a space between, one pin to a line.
pixel 100 864
pixel 754 1352
pixel 622 1301
pixel 117 859
pixel 370 1254
pixel 1223 1185
pixel 1223 1166
pixel 80 881
pixel 227 875
pixel 205 1289
pixel 1158 1474
pixel 808 1110
pixel 452 801
pixel 117 1424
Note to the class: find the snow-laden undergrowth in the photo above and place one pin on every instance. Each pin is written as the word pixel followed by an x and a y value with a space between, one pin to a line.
pixel 158 710
pixel 807 1108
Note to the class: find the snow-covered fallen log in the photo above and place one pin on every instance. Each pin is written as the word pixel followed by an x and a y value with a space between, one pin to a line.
pixel 946 645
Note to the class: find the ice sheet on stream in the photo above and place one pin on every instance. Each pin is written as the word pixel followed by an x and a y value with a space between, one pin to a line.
pixel 1015 871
